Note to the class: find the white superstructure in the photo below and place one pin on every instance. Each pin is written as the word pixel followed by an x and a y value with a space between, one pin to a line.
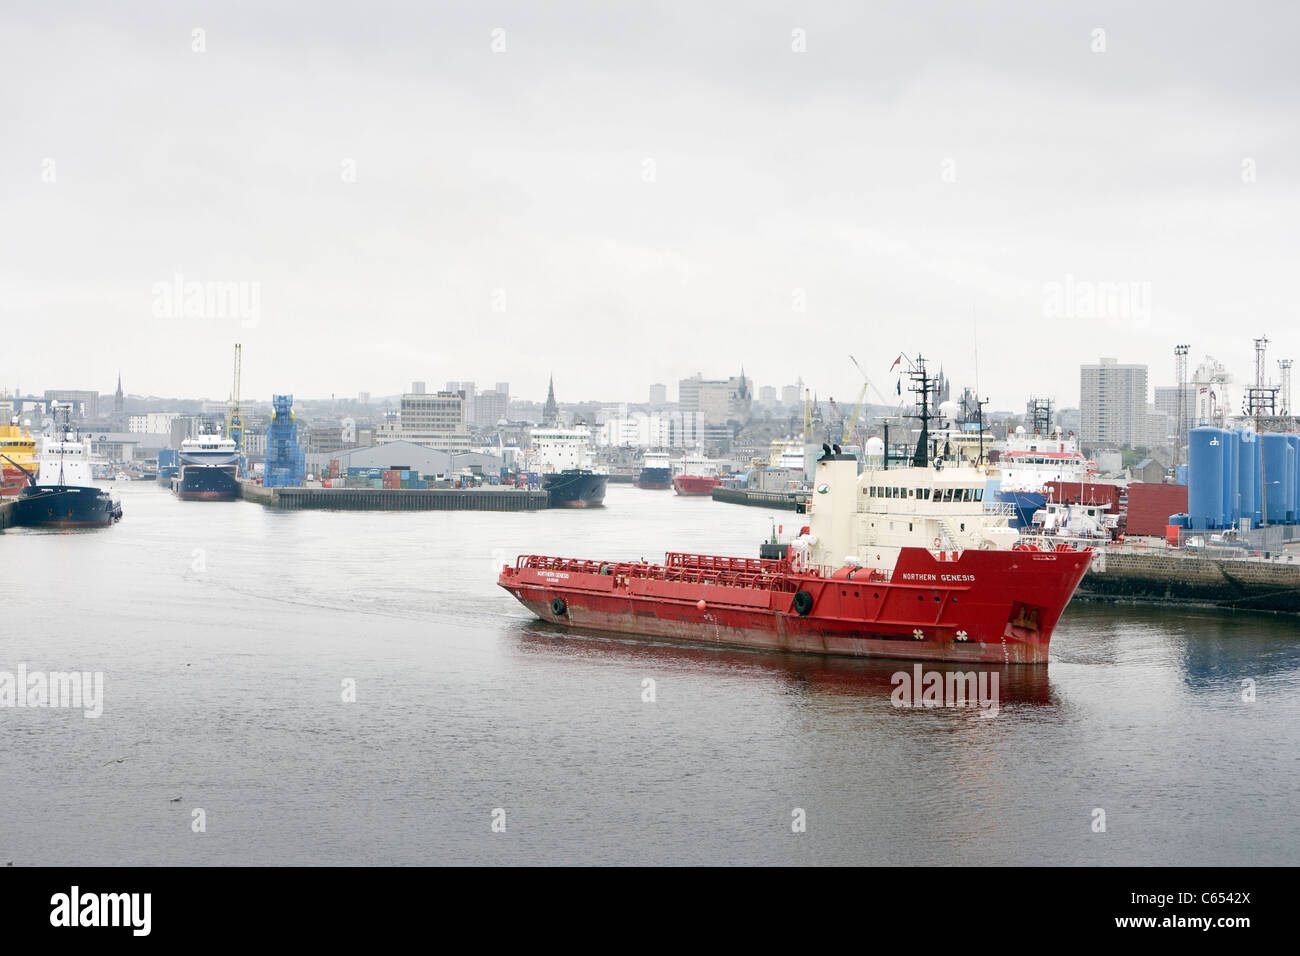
pixel 64 459
pixel 559 449
pixel 1028 461
pixel 865 520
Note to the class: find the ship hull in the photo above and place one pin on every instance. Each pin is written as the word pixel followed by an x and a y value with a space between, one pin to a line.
pixel 204 483
pixel 695 485
pixel 65 506
pixel 997 607
pixel 575 489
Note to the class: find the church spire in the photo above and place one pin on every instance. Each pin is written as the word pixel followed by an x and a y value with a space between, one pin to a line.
pixel 551 414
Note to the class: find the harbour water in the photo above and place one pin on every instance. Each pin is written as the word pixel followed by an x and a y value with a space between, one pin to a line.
pixel 227 635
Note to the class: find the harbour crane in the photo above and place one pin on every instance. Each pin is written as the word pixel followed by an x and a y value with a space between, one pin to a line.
pixel 234 420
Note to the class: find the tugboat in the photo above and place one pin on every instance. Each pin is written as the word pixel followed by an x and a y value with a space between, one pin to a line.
pixel 60 494
pixel 656 471
pixel 560 457
pixel 209 467
pixel 898 561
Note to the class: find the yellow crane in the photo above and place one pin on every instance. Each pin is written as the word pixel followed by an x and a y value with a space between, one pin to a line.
pixel 235 421
pixel 851 423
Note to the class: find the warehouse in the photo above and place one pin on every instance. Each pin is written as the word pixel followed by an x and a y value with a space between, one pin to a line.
pixel 409 455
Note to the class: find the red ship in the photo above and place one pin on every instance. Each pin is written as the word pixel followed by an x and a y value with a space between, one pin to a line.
pixel 695 484
pixel 900 562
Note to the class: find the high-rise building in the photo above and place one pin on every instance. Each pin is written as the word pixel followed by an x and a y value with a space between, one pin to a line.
pixel 792 394
pixel 492 406
pixel 716 401
pixel 658 394
pixel 1113 405
pixel 437 421
pixel 85 403
pixel 1167 402
pixel 767 395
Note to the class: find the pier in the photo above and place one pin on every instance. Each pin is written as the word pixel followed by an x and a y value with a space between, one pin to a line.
pixel 1168 576
pixel 783 500
pixel 397 499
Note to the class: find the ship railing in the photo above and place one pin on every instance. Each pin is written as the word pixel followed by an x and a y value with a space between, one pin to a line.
pixel 1000 509
pixel 723 572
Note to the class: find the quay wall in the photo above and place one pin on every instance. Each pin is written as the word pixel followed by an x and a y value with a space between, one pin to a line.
pixel 1174 578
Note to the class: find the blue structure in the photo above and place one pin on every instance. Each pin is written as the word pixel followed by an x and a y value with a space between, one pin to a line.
pixel 1207 448
pixel 1277 477
pixel 1248 476
pixel 1294 441
pixel 286 464
pixel 1236 477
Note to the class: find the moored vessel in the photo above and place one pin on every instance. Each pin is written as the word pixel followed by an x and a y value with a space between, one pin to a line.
pixel 17 456
pixel 560 457
pixel 1030 459
pixel 208 468
pixel 697 476
pixel 656 472
pixel 900 560
pixel 61 492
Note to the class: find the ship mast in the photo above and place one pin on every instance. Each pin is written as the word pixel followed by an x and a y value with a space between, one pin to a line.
pixel 923 386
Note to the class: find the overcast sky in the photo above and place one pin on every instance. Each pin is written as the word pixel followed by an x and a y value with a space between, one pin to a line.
pixel 625 197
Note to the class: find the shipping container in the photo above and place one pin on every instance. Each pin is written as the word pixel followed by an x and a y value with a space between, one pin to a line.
pixel 1082 492
pixel 1151 507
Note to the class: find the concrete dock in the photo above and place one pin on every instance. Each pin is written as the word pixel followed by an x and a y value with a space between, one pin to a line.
pixel 1170 576
pixel 493 498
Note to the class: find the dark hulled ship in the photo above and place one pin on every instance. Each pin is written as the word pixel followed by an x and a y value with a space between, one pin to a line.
pixel 208 468
pixel 61 493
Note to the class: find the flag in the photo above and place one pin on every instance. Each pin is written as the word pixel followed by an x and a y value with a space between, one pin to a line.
pixel 896 361
pixel 899 387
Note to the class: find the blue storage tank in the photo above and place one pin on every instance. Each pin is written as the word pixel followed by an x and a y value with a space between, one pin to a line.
pixel 1248 476
pixel 1182 475
pixel 1277 477
pixel 1205 455
pixel 1231 480
pixel 1294 441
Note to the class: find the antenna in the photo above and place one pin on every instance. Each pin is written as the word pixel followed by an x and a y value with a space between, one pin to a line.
pixel 923 386
pixel 1180 376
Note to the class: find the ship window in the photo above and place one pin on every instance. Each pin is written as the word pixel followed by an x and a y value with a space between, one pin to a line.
pixel 979 494
pixel 947 496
